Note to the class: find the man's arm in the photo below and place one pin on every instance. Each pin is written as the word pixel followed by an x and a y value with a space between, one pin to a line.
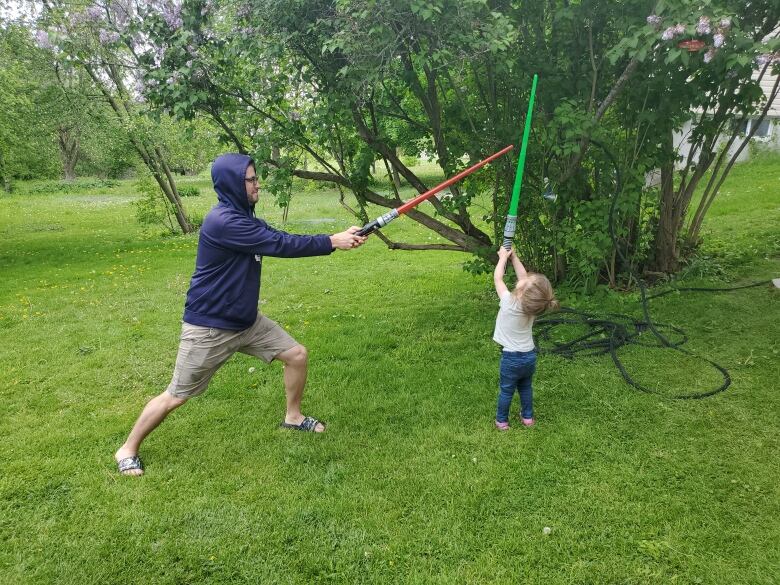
pixel 498 273
pixel 255 236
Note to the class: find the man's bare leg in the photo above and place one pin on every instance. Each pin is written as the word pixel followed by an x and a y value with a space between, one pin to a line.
pixel 296 362
pixel 152 415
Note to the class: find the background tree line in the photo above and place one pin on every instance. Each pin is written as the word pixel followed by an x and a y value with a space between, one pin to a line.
pixel 345 91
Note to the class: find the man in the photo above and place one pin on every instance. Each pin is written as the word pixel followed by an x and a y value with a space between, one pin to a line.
pixel 220 314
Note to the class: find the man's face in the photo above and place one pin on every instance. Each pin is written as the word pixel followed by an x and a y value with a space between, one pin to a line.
pixel 252 190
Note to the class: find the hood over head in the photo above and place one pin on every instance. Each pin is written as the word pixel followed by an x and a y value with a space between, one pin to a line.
pixel 228 172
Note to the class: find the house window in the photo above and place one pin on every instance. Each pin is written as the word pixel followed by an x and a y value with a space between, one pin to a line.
pixel 764 129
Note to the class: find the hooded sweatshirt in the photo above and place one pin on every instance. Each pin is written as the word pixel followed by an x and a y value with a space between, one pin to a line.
pixel 225 288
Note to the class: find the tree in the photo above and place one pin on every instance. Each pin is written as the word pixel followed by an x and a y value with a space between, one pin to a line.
pixel 26 146
pixel 89 39
pixel 352 84
pixel 714 88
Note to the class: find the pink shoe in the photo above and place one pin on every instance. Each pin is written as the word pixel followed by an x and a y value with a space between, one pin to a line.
pixel 502 426
pixel 529 422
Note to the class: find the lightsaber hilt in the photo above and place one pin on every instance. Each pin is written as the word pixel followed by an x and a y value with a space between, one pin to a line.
pixel 509 231
pixel 379 222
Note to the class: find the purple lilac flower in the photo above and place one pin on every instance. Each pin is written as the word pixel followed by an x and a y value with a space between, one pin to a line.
pixel 122 12
pixel 725 23
pixel 668 34
pixel 703 27
pixel 679 29
pixel 295 115
pixel 244 10
pixel 654 21
pixel 718 39
pixel 42 40
pixel 94 12
pixel 172 16
pixel 78 18
pixel 108 37
pixel 708 56
pixel 159 55
pixel 762 60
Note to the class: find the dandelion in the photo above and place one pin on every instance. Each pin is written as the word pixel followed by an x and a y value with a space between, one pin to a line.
pixel 252 370
pixel 703 27
pixel 709 55
pixel 718 39
pixel 546 530
pixel 654 21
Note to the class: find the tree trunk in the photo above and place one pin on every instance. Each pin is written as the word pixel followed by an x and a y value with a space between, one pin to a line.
pixel 396 176
pixel 666 254
pixel 151 155
pixel 69 150
pixel 6 182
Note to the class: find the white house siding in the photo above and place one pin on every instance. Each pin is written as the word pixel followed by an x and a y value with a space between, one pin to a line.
pixel 772 140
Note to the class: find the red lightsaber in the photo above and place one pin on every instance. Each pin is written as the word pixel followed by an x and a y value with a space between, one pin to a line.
pixel 382 221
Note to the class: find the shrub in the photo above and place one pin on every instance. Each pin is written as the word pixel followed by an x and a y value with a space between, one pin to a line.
pixel 188 191
pixel 77 186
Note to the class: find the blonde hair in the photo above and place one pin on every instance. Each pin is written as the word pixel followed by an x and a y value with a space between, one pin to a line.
pixel 537 296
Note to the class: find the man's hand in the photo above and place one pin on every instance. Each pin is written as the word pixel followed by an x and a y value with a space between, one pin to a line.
pixel 347 240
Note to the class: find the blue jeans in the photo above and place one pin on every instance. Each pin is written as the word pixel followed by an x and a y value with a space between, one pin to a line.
pixel 515 373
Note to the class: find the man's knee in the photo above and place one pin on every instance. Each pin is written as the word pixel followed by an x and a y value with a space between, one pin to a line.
pixel 295 356
pixel 171 402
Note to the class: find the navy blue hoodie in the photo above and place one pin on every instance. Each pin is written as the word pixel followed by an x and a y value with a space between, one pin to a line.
pixel 225 287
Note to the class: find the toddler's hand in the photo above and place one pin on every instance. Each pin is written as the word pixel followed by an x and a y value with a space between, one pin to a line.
pixel 503 253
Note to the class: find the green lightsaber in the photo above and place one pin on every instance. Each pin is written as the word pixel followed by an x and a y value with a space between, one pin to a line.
pixel 511 219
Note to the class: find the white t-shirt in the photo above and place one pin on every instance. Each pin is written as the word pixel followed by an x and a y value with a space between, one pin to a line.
pixel 513 327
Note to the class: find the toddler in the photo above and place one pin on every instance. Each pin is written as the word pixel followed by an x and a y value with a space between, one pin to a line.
pixel 532 295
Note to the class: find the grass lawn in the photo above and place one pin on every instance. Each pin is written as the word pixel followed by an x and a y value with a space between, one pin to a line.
pixel 411 483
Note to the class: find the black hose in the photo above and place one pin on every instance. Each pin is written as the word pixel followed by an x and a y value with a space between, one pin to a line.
pixel 607 334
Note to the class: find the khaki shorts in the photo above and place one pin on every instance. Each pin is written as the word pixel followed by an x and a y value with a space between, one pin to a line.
pixel 203 350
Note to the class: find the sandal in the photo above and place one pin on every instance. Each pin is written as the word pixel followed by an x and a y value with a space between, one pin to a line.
pixel 130 464
pixel 307 424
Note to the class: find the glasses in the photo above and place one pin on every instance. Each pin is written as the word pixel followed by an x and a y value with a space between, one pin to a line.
pixel 254 180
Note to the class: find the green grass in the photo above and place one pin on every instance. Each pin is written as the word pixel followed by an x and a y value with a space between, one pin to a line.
pixel 410 484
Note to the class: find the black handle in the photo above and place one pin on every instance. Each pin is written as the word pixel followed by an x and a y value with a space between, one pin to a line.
pixel 369 228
